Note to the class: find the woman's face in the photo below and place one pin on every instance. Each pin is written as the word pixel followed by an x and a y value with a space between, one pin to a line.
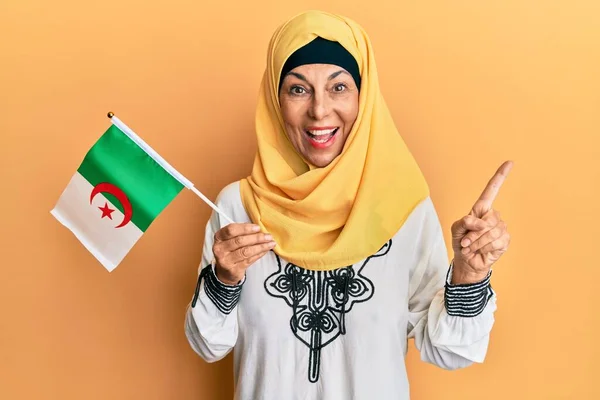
pixel 319 104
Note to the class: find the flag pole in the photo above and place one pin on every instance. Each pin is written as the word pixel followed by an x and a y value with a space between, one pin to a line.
pixel 163 163
pixel 210 203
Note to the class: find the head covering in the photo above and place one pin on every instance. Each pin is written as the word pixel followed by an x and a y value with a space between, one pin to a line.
pixel 335 216
pixel 322 51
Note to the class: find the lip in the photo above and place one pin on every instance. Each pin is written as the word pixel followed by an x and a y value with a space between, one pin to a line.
pixel 320 128
pixel 321 145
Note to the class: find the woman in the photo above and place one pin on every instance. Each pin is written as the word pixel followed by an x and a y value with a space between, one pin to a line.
pixel 337 256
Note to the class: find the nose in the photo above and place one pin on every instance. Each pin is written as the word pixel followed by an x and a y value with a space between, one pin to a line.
pixel 320 106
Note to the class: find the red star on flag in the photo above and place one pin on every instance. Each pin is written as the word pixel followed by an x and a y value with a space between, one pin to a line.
pixel 106 211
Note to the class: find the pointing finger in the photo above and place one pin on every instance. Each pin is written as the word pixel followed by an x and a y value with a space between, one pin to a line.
pixel 487 197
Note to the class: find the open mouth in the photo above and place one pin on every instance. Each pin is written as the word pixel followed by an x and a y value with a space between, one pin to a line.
pixel 322 137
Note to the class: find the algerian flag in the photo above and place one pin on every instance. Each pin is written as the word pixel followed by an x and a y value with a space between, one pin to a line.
pixel 121 186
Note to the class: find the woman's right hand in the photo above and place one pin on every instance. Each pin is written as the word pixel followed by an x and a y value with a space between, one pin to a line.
pixel 236 247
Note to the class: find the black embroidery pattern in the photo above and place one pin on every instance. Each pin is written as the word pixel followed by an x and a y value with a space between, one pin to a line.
pixel 320 301
pixel 225 297
pixel 468 299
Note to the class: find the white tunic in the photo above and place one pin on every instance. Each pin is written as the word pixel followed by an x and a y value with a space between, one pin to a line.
pixel 342 334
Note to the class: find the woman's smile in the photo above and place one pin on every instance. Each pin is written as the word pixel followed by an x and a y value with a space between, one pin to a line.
pixel 321 137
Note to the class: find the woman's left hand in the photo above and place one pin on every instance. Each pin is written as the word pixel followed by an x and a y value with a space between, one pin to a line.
pixel 481 237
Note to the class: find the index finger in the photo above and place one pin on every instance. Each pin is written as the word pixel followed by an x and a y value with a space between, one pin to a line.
pixel 487 197
pixel 233 230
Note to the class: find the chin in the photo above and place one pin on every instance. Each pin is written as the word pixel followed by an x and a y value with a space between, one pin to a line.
pixel 321 161
pixel 321 164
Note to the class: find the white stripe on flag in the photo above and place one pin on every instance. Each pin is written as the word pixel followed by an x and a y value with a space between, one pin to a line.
pixel 99 236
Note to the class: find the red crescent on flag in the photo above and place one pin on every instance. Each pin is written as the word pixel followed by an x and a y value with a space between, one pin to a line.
pixel 106 187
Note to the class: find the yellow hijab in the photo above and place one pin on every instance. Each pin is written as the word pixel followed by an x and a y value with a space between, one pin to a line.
pixel 325 218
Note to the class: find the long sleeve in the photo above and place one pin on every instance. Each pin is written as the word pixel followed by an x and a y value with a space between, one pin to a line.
pixel 211 325
pixel 450 323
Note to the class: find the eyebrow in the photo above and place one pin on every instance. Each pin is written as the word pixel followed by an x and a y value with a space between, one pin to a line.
pixel 332 76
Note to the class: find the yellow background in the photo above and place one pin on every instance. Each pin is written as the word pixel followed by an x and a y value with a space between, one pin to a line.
pixel 470 84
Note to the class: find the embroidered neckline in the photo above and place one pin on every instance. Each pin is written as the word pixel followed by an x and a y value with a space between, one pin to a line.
pixel 320 301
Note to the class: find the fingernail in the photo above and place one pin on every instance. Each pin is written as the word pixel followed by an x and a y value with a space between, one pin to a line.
pixel 255 228
pixel 466 250
pixel 268 237
pixel 272 244
pixel 466 242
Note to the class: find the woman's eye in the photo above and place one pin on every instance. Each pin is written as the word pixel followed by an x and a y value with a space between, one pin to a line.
pixel 339 87
pixel 297 90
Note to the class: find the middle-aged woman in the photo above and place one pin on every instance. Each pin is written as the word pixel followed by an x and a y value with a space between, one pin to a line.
pixel 337 256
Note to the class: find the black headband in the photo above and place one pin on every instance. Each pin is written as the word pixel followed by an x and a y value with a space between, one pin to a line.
pixel 322 51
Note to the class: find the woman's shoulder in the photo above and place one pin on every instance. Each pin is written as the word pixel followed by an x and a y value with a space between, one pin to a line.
pixel 229 195
pixel 424 212
pixel 422 224
pixel 229 200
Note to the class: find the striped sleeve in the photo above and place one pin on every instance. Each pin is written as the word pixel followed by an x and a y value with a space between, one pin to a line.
pixel 467 300
pixel 225 297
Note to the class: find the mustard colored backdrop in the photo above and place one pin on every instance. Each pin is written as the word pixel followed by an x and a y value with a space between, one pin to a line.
pixel 470 84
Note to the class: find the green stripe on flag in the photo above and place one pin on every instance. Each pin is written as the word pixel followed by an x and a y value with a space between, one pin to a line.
pixel 116 159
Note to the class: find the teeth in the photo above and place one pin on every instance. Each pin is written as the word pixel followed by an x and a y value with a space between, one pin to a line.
pixel 322 132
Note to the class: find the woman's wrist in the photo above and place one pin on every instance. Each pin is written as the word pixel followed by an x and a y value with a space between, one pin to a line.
pixel 224 276
pixel 464 275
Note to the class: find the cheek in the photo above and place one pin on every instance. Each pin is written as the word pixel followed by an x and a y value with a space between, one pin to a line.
pixel 290 113
pixel 348 109
pixel 349 116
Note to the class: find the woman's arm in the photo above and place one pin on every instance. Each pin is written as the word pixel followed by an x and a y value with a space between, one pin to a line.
pixel 450 323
